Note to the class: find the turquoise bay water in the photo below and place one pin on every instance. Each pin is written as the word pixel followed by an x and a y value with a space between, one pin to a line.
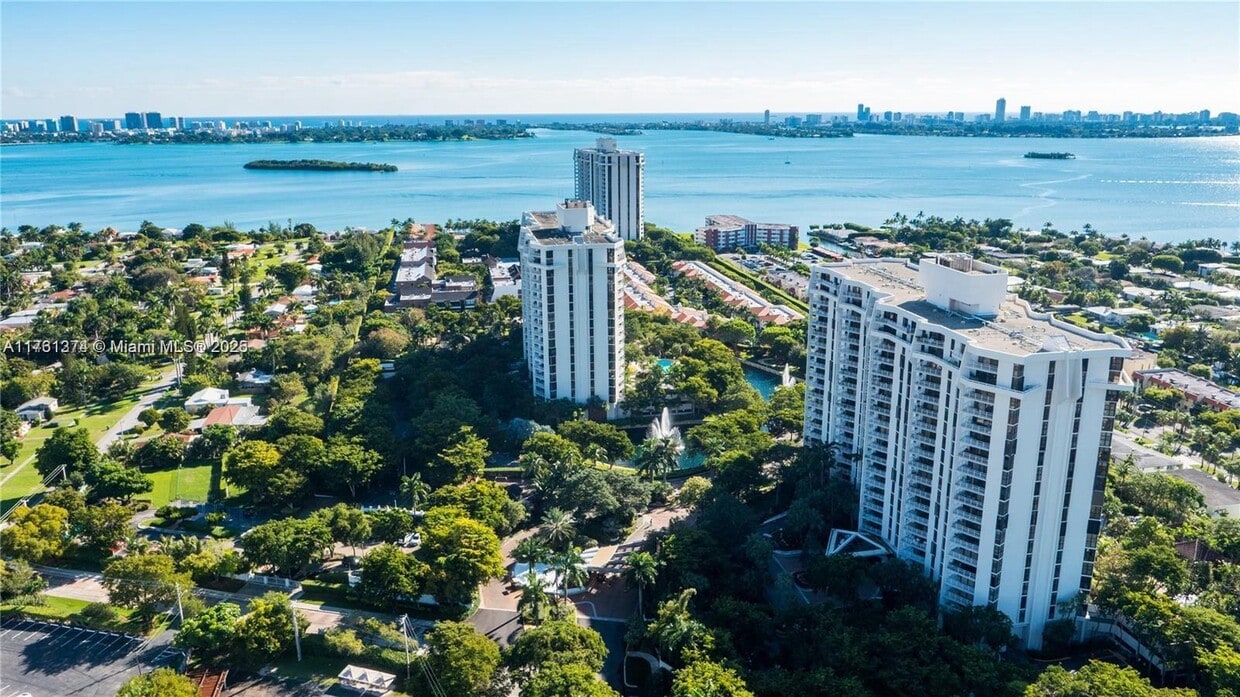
pixel 1164 189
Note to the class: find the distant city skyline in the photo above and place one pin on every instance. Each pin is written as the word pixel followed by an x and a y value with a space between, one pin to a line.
pixel 398 58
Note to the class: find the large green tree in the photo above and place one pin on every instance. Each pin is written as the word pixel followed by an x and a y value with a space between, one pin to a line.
pixel 350 464
pixel 463 661
pixel 145 582
pixel 1097 679
pixel 348 524
pixel 210 634
pixel 161 682
pixel 464 457
pixel 705 678
pixel 388 575
pixel 36 533
pixel 593 438
pixel 557 641
pixel 289 545
pixel 484 501
pixel 461 552
pixel 109 479
pixel 567 680
pixel 257 466
pixel 71 447
pixel 266 632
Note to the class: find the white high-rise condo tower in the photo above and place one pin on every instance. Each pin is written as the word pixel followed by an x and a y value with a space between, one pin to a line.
pixel 977 431
pixel 572 306
pixel 614 181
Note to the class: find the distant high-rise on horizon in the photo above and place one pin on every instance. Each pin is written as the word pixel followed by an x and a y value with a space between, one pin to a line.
pixel 134 121
pixel 614 181
pixel 68 124
pixel 572 304
pixel 154 120
pixel 766 117
pixel 1000 109
pixel 1025 112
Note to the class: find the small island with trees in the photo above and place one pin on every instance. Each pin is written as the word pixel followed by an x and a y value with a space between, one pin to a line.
pixel 1050 156
pixel 320 165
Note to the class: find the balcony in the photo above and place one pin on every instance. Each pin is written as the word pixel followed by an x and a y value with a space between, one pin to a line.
pixel 980 396
pixel 965 458
pixel 986 414
pixel 963 513
pixel 918 504
pixel 956 580
pixel 963 556
pixel 971 486
pixel 971 440
pixel 965 543
pixel 966 527
pixel 958 598
pixel 918 477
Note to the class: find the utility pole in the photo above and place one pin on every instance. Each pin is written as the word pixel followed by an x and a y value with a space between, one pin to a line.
pixel 296 630
pixel 180 608
pixel 404 631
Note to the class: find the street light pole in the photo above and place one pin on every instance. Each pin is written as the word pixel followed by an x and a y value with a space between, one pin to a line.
pixel 296 630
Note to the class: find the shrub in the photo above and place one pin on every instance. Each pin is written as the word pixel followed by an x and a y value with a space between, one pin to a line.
pixel 98 612
pixel 343 642
pixel 339 577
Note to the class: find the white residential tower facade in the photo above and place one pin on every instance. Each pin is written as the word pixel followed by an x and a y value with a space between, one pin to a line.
pixel 614 181
pixel 977 431
pixel 572 307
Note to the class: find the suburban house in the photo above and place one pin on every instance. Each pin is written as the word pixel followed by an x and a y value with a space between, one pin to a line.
pixel 38 409
pixel 206 399
pixel 237 414
pixel 253 381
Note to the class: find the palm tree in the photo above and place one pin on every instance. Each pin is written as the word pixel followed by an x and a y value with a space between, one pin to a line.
pixel 642 571
pixel 534 465
pixel 558 527
pixel 533 603
pixel 417 490
pixel 598 453
pixel 660 452
pixel 570 566
pixel 657 458
pixel 530 550
pixel 675 628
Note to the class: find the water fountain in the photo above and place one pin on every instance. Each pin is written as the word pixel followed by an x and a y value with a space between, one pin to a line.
pixel 787 380
pixel 662 430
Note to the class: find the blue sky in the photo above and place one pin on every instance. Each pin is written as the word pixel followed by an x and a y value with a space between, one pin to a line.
pixel 207 58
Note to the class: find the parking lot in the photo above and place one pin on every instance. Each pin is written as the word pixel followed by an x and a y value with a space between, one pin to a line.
pixel 45 659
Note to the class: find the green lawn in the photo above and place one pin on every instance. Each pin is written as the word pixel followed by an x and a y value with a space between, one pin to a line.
pixel 54 608
pixel 191 482
pixel 96 418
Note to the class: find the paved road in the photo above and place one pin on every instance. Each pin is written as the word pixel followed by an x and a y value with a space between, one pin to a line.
pixel 606 600
pixel 88 586
pixel 1147 459
pixel 167 380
